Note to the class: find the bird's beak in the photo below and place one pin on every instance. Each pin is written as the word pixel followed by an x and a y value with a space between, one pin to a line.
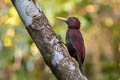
pixel 63 19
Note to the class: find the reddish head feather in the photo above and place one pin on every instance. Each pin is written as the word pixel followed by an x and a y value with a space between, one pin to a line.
pixel 73 23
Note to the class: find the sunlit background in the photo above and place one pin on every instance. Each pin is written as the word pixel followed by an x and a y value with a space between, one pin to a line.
pixel 100 26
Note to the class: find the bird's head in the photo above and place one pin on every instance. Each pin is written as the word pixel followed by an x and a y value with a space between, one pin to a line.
pixel 72 22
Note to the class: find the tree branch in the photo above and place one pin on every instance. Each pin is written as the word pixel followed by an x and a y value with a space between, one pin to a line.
pixel 54 54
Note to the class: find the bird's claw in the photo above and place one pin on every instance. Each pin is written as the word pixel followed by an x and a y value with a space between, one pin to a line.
pixel 59 37
pixel 60 42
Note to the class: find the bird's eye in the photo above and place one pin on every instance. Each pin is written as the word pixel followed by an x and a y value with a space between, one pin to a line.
pixel 71 20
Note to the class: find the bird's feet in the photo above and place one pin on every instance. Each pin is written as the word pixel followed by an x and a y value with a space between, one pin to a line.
pixel 61 42
pixel 60 38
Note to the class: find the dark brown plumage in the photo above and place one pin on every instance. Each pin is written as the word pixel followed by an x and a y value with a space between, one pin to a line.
pixel 74 40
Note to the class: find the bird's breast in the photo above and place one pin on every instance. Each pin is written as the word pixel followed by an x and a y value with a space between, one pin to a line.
pixel 69 44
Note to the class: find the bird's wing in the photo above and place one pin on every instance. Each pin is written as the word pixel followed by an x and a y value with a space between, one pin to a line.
pixel 77 42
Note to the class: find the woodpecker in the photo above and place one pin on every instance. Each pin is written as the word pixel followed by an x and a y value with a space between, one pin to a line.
pixel 74 39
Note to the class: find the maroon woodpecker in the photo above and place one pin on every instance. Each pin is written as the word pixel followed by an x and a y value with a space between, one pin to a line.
pixel 74 39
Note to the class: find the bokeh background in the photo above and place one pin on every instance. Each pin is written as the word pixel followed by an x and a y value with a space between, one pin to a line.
pixel 100 26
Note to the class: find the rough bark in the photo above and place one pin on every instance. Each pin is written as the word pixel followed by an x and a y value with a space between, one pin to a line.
pixel 40 30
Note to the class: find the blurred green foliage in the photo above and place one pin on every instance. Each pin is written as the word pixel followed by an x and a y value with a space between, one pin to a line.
pixel 100 26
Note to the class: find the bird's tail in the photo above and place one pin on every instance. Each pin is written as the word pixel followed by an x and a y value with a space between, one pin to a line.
pixel 80 67
pixel 79 59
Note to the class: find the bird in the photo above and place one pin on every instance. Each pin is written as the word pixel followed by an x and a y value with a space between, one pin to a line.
pixel 74 40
